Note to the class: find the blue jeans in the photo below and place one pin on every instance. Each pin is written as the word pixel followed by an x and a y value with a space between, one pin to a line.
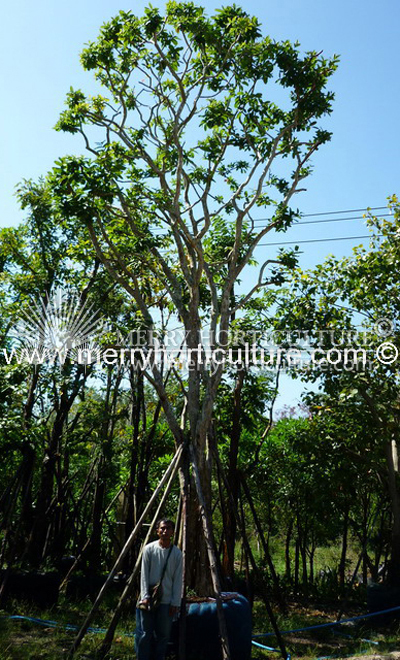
pixel 152 633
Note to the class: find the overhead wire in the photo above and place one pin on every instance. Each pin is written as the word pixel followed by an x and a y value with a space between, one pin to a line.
pixel 320 240
pixel 316 222
pixel 323 221
pixel 369 208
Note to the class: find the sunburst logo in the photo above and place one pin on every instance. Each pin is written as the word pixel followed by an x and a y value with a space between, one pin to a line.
pixel 60 326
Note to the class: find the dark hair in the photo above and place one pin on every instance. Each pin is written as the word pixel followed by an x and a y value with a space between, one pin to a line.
pixel 166 521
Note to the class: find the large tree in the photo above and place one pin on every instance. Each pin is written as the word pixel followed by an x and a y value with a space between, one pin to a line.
pixel 204 123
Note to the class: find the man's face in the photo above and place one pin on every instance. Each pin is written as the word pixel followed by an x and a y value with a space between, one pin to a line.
pixel 165 531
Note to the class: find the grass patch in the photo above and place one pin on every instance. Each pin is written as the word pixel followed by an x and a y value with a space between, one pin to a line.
pixel 349 639
pixel 24 640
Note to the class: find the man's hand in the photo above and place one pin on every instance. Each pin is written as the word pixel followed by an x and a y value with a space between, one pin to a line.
pixel 144 604
pixel 173 609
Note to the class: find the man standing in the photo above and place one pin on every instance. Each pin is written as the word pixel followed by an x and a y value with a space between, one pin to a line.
pixel 160 561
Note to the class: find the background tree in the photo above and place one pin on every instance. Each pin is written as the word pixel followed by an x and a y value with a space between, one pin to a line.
pixel 60 439
pixel 353 304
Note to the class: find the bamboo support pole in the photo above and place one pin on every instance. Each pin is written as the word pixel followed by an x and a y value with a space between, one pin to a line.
pixel 212 558
pixel 13 551
pixel 184 526
pixel 250 555
pixel 256 519
pixel 360 558
pixel 8 513
pixel 79 557
pixel 105 647
pixel 175 462
pixel 224 531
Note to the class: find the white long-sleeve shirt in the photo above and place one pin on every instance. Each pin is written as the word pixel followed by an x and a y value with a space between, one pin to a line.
pixel 153 560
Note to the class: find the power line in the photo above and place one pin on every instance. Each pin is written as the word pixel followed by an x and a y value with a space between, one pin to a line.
pixel 315 222
pixel 370 208
pixel 325 220
pixel 321 240
pixel 312 222
pixel 354 217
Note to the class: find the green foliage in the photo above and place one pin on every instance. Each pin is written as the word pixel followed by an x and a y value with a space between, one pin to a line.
pixel 170 137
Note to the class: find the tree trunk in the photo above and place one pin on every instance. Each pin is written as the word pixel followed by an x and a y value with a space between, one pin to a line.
pixel 296 563
pixel 288 565
pixel 379 548
pixel 41 524
pixel 264 543
pixel 342 563
pixel 198 568
pixel 93 555
pixel 311 554
pixel 134 504
pixel 42 521
pixel 29 455
pixel 393 475
pixel 230 523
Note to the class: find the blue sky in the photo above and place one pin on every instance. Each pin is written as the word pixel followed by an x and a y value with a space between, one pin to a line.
pixel 40 44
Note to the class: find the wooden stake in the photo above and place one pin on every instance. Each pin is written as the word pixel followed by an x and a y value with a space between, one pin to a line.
pixel 251 557
pixel 82 632
pixel 105 647
pixel 271 567
pixel 182 619
pixel 212 557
